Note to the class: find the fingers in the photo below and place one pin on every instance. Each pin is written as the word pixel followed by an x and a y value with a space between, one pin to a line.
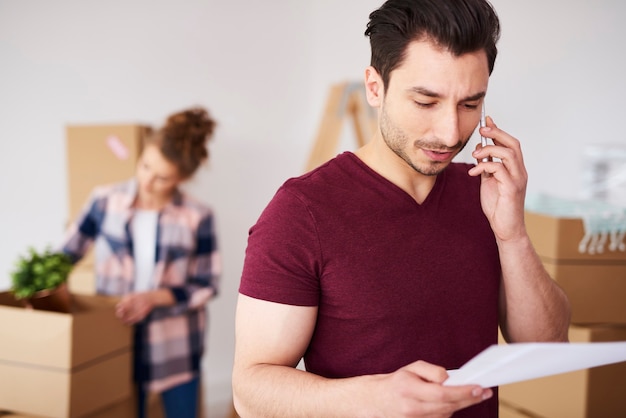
pixel 506 150
pixel 130 310
pixel 433 398
pixel 437 399
pixel 427 371
pixel 124 312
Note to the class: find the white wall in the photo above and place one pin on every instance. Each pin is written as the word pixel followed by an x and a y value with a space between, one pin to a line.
pixel 264 69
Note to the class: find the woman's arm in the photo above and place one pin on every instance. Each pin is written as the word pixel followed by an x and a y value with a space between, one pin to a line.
pixel 82 232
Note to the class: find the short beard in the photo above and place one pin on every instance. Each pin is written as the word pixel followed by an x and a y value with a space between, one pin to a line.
pixel 397 140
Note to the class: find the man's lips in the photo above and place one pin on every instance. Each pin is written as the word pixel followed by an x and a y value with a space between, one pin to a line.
pixel 438 155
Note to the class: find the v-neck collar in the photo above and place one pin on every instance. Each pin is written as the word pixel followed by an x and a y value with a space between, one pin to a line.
pixel 432 195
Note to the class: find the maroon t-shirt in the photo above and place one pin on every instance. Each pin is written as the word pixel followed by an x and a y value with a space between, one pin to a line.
pixel 394 281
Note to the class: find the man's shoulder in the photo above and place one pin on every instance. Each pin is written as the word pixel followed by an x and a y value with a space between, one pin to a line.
pixel 330 182
pixel 327 173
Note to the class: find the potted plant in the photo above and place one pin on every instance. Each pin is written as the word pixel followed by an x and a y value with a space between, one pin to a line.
pixel 40 280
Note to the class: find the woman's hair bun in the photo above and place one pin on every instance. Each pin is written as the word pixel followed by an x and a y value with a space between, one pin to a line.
pixel 184 137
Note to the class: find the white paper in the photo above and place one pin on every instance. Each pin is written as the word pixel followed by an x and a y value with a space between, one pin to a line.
pixel 509 363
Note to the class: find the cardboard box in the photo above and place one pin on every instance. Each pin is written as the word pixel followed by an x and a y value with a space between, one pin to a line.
pixel 597 293
pixel 82 278
pixel 125 409
pixel 63 365
pixel 594 283
pixel 508 411
pixel 99 155
pixel 557 239
pixel 589 393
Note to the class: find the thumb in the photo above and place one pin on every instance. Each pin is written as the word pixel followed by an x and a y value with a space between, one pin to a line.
pixel 428 371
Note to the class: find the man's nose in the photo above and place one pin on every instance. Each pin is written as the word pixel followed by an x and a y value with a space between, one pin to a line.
pixel 446 127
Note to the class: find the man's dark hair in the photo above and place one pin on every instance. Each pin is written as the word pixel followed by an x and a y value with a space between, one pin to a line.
pixel 459 26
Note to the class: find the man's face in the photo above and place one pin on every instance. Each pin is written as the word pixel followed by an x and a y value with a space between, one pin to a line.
pixel 432 105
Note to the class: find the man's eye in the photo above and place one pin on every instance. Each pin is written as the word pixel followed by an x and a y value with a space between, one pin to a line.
pixel 470 106
pixel 424 105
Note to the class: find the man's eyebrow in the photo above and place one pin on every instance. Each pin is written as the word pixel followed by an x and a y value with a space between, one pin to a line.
pixel 474 97
pixel 425 92
pixel 429 93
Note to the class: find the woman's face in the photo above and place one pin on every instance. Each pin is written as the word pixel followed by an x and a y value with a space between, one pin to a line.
pixel 156 176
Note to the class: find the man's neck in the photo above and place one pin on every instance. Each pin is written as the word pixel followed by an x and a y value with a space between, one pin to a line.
pixel 377 156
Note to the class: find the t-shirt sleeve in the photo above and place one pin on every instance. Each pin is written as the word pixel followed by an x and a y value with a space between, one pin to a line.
pixel 282 260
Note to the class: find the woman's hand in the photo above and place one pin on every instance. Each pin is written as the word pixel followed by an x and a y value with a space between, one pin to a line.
pixel 134 307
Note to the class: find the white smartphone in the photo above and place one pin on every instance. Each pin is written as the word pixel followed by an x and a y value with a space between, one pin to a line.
pixel 483 123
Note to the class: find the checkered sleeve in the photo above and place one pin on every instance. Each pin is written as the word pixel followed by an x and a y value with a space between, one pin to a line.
pixel 81 233
pixel 204 269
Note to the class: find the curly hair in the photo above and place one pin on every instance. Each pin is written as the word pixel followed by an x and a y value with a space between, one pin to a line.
pixel 183 139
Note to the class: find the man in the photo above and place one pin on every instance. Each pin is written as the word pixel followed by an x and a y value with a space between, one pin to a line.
pixel 385 267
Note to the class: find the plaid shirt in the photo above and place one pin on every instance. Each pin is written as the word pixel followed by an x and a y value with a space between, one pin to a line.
pixel 169 343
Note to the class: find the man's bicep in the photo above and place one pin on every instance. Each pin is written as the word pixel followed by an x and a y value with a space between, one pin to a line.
pixel 271 333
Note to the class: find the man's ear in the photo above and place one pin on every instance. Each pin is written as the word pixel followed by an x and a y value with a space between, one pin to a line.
pixel 374 90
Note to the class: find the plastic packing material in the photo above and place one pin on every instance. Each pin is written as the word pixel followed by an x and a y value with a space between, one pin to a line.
pixel 604 173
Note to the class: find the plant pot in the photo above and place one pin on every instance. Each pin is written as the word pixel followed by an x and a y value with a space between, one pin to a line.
pixel 57 299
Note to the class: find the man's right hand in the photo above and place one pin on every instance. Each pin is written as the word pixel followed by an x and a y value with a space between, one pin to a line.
pixel 417 390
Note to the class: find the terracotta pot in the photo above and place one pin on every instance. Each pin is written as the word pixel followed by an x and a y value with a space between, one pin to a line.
pixel 57 299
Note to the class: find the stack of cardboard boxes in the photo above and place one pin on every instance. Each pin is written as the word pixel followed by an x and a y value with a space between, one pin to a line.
pixel 63 365
pixel 596 286
pixel 78 364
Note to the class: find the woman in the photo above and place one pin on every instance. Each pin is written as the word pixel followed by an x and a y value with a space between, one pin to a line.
pixel 155 247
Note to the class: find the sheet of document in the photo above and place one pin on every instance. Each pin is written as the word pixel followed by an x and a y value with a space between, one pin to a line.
pixel 509 363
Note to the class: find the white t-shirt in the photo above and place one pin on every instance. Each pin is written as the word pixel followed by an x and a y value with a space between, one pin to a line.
pixel 144 232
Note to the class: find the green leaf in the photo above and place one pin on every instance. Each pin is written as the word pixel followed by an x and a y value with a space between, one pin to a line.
pixel 37 271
